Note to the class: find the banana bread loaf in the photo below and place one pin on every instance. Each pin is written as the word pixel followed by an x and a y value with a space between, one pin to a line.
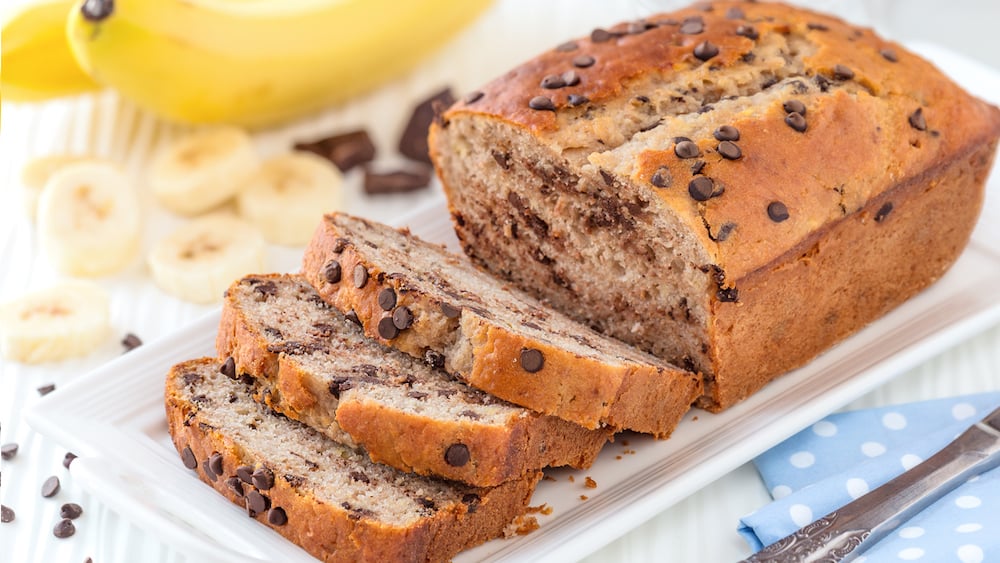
pixel 423 300
pixel 327 498
pixel 733 187
pixel 316 367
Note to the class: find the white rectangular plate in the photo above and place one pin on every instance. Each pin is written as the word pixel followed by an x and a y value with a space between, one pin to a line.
pixel 114 417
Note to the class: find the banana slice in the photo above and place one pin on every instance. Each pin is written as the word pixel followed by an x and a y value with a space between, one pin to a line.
pixel 202 170
pixel 36 174
pixel 88 219
pixel 288 196
pixel 198 261
pixel 66 320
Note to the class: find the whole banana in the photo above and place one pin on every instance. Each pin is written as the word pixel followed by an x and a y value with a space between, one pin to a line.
pixel 255 63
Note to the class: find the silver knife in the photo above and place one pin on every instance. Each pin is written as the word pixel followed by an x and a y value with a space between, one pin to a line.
pixel 844 533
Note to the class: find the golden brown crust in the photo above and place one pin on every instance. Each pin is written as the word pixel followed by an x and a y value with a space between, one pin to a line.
pixel 407 441
pixel 331 533
pixel 486 354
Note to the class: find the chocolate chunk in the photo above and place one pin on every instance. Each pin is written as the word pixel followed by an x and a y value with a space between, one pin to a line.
pixel 64 529
pixel 245 473
pixel 131 342
pixel 697 167
pixel 729 150
pixel 359 477
pixel 727 133
pixel 577 100
pixel 345 150
pixel 215 463
pixel 532 360
pixel 502 159
pixel 332 272
pixel 552 82
pixel 457 455
pixel 570 78
pixel 473 97
pixel 724 231
pixel 397 181
pixel 360 276
pixel 889 55
pixel 692 26
pixel 187 457
pixel 426 503
pixel 46 389
pixel 541 103
pixel 277 517
pixel 450 311
pixel 705 50
pixel 841 72
pixel 50 487
pixel 8 451
pixel 387 328
pixel 748 31
pixel 583 61
pixel 917 120
pixel 686 149
pixel 823 82
pixel 567 47
pixel 228 368
pixel 701 188
pixel 340 244
pixel 68 459
pixel 70 510
pixel 883 212
pixel 796 121
pixel 817 26
pixel 777 211
pixel 727 294
pixel 418 395
pixel 263 479
pixel 601 35
pixel 235 484
pixel 662 177
pixel 434 359
pixel 735 13
pixel 387 299
pixel 6 514
pixel 794 106
pixel 402 318
pixel 413 142
pixel 257 503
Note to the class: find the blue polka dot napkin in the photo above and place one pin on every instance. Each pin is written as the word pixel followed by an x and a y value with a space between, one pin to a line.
pixel 847 454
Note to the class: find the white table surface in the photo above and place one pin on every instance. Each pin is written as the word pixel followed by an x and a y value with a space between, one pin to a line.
pixel 700 528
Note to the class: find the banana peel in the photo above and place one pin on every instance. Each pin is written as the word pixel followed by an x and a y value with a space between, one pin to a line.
pixel 36 61
pixel 256 64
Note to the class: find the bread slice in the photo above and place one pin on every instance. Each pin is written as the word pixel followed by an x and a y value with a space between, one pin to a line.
pixel 734 188
pixel 327 498
pixel 318 368
pixel 423 300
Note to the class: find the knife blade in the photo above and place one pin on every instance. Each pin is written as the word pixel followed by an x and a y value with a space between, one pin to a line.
pixel 845 533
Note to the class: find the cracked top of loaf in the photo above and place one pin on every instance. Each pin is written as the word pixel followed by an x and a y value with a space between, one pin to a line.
pixel 757 123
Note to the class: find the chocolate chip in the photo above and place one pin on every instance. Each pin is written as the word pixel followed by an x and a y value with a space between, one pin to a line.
pixel 817 26
pixel 402 318
pixel 457 455
pixel 6 514
pixel 387 328
pixel 796 121
pixel 257 502
pixel 434 359
pixel 686 149
pixel 794 106
pixel 735 13
pixel 215 463
pixel 70 510
pixel 131 342
pixel 889 55
pixel 552 82
pixel 353 317
pixel 724 231
pixel 50 487
pixel 541 103
pixel 730 150
pixel 662 177
pixel 332 272
pixel 777 211
pixel 583 61
pixel 360 276
pixel 8 451
pixel 473 97
pixel 208 471
pixel 841 72
pixel 277 517
pixel 697 167
pixel 567 47
pixel 396 181
pixel 263 479
pixel 748 31
pixel 577 100
pixel 705 50
pixel 387 299
pixel 701 188
pixel 413 142
pixel 727 133
pixel 917 120
pixel 245 473
pixel 570 78
pixel 471 500
pixel 46 389
pixel 235 484
pixel 228 368
pixel 68 459
pixel 883 212
pixel 532 360
pixel 64 529
pixel 187 457
pixel 601 35
pixel 450 311
pixel 692 26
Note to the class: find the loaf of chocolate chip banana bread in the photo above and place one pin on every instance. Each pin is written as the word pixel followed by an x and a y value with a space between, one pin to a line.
pixel 734 187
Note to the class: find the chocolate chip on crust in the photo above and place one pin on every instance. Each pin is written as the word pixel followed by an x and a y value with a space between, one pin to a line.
pixel 777 211
pixel 188 459
pixel 794 106
pixel 387 328
pixel 553 82
pixel 360 276
pixel 541 103
pixel 601 35
pixel 701 188
pixel 245 473
pixel 207 469
pixel 263 479
pixel 705 51
pixel 697 167
pixel 796 121
pixel 235 484
pixel 729 150
pixel 841 72
pixel 727 133
pixel 532 360
pixel 889 55
pixel 735 13
pixel 567 47
pixel 402 318
pixel 571 78
pixel 577 100
pixel 883 212
pixel 387 299
pixel 257 503
pixel 724 231
pixel 215 463
pixel 662 177
pixel 686 149
pixel 332 272
pixel 748 31
pixel 583 61
pixel 277 517
pixel 692 25
pixel 917 120
pixel 457 455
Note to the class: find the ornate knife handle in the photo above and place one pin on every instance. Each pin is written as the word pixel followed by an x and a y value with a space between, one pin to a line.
pixel 819 542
